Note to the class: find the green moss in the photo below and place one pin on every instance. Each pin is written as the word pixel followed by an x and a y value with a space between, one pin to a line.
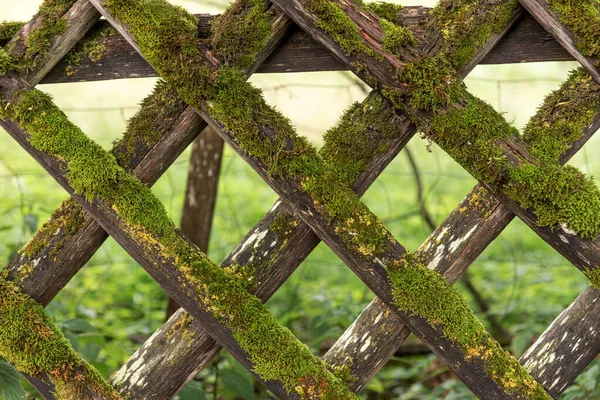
pixel 563 117
pixel 395 37
pixel 431 84
pixel 68 217
pixel 38 40
pixel 241 32
pixel 32 343
pixel 96 175
pixel 7 64
pixel 92 47
pixel 154 119
pixel 593 274
pixel 8 29
pixel 333 20
pixel 582 17
pixel 471 136
pixel 466 31
pixel 389 11
pixel 425 293
pixel 557 195
pixel 362 132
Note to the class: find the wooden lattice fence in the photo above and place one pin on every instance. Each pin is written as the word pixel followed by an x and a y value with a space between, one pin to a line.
pixel 415 60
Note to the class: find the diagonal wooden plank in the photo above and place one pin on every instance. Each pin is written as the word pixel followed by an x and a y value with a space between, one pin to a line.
pixel 574 25
pixel 357 236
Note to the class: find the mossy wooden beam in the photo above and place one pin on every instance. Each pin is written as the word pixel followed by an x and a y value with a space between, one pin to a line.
pixel 292 168
pixel 575 25
pixel 44 41
pixel 526 42
pixel 35 346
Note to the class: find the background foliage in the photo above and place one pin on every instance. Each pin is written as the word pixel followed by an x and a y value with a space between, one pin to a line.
pixel 112 305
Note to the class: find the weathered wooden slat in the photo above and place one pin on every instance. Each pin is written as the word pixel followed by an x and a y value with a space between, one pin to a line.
pixel 527 41
pixel 569 344
pixel 550 21
pixel 79 20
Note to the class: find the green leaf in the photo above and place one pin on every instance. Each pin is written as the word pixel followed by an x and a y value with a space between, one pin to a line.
pixel 520 343
pixel 192 391
pixel 79 325
pixel 10 383
pixel 238 384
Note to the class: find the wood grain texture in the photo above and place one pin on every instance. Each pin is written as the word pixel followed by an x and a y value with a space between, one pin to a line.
pixel 527 41
pixel 550 21
pixel 569 344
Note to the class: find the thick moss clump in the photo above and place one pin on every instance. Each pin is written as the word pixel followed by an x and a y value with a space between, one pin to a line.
pixel 471 136
pixel 464 31
pixel 582 17
pixel 557 195
pixel 364 130
pixel 8 29
pixel 241 32
pixel 396 37
pixel 333 20
pixel 389 11
pixel 32 343
pixel 7 64
pixel 430 84
pixel 96 175
pixel 563 117
pixel 424 292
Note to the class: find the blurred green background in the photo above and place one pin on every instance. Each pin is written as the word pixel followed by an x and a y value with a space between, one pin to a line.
pixel 112 305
